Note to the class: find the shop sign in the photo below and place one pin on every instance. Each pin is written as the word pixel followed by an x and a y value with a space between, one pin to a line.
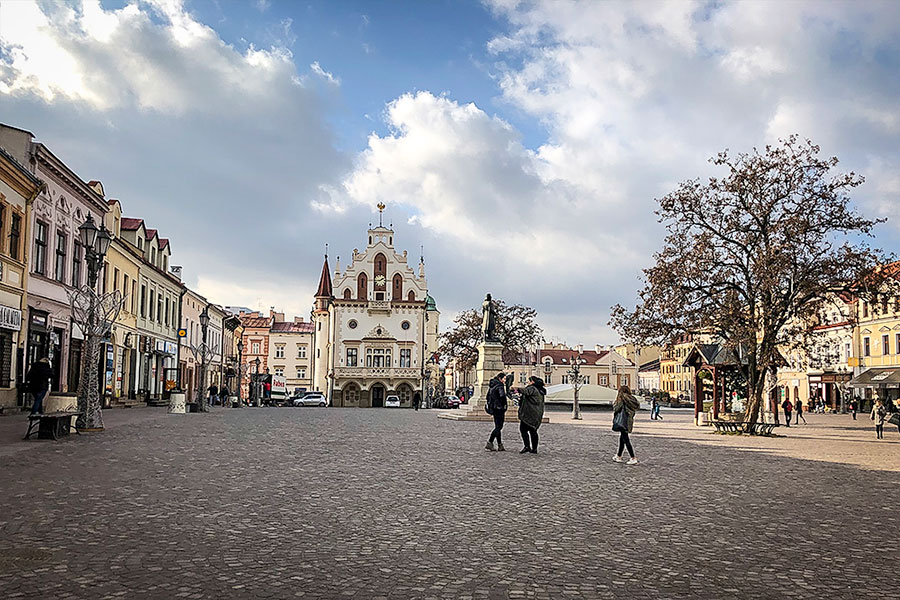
pixel 171 348
pixel 10 318
pixel 882 376
pixel 160 346
pixel 39 321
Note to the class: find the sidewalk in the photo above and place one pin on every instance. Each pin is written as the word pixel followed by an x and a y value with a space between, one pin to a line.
pixel 13 426
pixel 826 438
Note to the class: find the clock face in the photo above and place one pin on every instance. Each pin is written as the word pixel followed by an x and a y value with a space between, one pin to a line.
pixel 380 279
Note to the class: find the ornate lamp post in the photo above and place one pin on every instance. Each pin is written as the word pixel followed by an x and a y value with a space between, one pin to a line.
pixel 574 374
pixel 240 346
pixel 94 313
pixel 256 389
pixel 202 353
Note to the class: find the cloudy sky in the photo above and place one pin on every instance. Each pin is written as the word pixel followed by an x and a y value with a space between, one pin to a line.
pixel 522 144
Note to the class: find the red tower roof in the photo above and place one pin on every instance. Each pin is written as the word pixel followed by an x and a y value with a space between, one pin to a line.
pixel 324 290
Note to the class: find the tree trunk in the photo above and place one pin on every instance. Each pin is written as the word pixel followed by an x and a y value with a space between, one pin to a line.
pixel 576 408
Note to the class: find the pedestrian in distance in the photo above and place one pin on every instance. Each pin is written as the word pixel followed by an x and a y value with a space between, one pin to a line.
pixel 623 421
pixel 496 405
pixel 224 394
pixel 799 406
pixel 531 413
pixel 853 407
pixel 788 408
pixel 879 414
pixel 212 394
pixel 37 382
pixel 656 408
pixel 417 400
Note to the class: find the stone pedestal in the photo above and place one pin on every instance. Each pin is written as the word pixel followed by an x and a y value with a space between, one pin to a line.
pixel 176 403
pixel 490 362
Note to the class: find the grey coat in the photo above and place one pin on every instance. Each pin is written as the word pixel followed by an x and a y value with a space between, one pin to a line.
pixel 531 407
pixel 630 405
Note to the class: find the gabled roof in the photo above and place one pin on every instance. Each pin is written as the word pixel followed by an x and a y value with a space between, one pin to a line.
pixel 254 321
pixel 150 234
pixel 130 224
pixel 163 242
pixel 324 281
pixel 653 365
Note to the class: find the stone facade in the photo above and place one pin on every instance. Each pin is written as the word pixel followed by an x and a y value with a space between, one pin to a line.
pixel 375 327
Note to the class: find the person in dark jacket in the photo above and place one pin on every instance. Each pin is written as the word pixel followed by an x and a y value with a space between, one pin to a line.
pixel 531 413
pixel 37 381
pixel 497 405
pixel 417 400
pixel 626 402
pixel 788 409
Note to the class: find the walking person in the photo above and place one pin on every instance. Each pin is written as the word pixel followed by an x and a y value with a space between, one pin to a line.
pixel 531 413
pixel 788 408
pixel 799 407
pixel 224 394
pixel 623 421
pixel 37 381
pixel 496 406
pixel 417 400
pixel 212 394
pixel 853 407
pixel 878 415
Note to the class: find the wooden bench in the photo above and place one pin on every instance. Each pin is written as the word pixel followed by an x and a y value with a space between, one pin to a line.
pixel 740 426
pixel 52 426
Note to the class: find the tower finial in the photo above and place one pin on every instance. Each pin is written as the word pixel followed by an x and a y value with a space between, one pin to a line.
pixel 326 249
pixel 381 208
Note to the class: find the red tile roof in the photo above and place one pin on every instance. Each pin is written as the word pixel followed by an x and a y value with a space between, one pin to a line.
pixel 130 224
pixel 151 233
pixel 288 327
pixel 253 321
pixel 163 242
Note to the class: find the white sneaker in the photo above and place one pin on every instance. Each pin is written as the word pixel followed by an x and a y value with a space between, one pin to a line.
pixel 633 461
pixel 617 458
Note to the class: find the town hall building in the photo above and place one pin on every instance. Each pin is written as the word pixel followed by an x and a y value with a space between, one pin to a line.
pixel 375 327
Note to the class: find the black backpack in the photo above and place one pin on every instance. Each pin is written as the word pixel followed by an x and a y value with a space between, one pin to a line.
pixel 488 404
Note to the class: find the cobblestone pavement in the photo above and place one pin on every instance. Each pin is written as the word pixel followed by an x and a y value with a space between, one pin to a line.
pixel 344 503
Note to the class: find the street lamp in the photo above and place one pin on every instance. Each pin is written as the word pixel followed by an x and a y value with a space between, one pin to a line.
pixel 256 390
pixel 94 313
pixel 203 354
pixel 240 346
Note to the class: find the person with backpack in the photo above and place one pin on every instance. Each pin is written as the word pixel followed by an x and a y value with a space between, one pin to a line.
pixel 624 409
pixel 531 413
pixel 879 414
pixel 496 406
pixel 37 382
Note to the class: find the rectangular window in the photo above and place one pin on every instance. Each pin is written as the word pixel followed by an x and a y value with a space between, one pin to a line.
pixel 301 372
pixel 2 221
pixel 847 350
pixel 255 347
pixel 159 308
pixel 168 310
pixel 77 261
pixel 143 300
pixel 352 357
pixel 565 380
pixel 866 348
pixel 301 351
pixel 60 255
pixel 603 379
pixel 152 303
pixel 133 295
pixel 115 285
pixel 279 351
pixel 885 345
pixel 279 371
pixel 15 236
pixel 865 309
pixel 405 357
pixel 124 290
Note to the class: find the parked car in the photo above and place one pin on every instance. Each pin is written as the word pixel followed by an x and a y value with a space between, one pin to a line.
pixel 451 401
pixel 310 399
pixel 392 401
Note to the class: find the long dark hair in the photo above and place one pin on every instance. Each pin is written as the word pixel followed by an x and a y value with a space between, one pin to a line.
pixel 539 384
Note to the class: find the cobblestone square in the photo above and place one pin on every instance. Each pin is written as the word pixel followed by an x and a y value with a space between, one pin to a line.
pixel 342 503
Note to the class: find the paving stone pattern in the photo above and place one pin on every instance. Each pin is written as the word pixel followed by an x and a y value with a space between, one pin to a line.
pixel 378 504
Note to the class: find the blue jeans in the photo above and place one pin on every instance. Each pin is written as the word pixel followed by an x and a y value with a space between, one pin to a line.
pixel 38 405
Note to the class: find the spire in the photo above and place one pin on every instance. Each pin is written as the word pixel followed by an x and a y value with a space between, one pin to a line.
pixel 381 208
pixel 324 290
pixel 337 267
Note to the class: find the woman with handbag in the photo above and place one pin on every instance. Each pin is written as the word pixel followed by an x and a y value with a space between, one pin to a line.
pixel 623 421
pixel 878 415
pixel 531 413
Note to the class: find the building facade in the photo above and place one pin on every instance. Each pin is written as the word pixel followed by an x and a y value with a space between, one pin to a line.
pixel 56 258
pixel 375 327
pixel 18 189
pixel 255 337
pixel 290 352
pixel 552 363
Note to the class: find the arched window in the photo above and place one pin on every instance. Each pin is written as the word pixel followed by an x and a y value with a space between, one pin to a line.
pixel 362 287
pixel 397 287
pixel 411 296
pixel 347 294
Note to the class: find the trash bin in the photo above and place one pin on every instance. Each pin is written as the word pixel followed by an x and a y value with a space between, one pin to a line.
pixel 176 403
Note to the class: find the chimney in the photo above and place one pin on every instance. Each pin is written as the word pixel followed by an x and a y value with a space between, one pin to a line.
pixel 580 348
pixel 298 319
pixel 598 348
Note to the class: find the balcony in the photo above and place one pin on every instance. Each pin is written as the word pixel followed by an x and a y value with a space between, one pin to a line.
pixel 377 373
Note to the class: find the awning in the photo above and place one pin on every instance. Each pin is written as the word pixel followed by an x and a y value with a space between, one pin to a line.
pixel 884 377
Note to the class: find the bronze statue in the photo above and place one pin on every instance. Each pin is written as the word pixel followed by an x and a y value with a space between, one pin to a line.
pixel 489 320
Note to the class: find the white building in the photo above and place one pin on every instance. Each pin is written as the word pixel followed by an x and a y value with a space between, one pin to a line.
pixel 376 327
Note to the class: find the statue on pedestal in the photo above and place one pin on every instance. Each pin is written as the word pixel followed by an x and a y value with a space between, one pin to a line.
pixel 489 320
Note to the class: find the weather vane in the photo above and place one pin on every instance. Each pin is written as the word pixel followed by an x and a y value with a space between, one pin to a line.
pixel 381 208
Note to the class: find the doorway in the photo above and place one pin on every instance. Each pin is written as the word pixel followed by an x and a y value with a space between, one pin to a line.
pixel 377 396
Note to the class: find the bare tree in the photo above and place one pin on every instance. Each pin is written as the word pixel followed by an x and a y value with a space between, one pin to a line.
pixel 754 256
pixel 576 381
pixel 517 329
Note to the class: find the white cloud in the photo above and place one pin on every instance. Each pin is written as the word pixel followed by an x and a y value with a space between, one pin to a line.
pixel 318 70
